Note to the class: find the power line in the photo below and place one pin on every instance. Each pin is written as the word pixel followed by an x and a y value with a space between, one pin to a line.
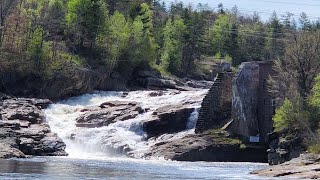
pixel 267 12
pixel 281 2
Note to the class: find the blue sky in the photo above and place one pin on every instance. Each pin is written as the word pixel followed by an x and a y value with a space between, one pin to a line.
pixel 266 7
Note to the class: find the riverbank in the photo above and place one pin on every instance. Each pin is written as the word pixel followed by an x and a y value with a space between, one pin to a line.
pixel 307 166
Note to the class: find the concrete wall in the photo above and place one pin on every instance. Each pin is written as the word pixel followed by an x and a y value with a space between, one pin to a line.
pixel 252 109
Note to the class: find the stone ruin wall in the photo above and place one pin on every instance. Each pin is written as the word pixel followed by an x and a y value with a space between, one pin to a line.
pixel 216 106
pixel 244 98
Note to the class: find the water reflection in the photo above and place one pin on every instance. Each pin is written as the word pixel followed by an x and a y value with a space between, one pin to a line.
pixel 65 168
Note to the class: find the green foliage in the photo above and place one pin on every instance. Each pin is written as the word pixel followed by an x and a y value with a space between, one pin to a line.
pixel 251 43
pixel 38 49
pixel 315 149
pixel 86 18
pixel 143 47
pixel 314 99
pixel 115 39
pixel 274 42
pixel 171 55
pixel 291 115
pixel 221 34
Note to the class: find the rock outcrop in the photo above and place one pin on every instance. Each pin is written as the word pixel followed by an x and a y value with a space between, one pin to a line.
pixel 284 146
pixel 212 147
pixel 168 119
pixel 152 80
pixel 108 113
pixel 23 130
pixel 306 166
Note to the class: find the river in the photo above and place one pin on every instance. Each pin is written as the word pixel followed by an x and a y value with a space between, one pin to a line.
pixel 92 151
pixel 122 168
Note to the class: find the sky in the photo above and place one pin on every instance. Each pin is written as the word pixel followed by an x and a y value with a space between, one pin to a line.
pixel 266 7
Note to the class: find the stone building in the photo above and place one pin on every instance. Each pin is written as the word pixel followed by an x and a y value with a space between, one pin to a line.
pixel 242 99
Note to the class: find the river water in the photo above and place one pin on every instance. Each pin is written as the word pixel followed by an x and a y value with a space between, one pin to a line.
pixel 93 151
pixel 122 168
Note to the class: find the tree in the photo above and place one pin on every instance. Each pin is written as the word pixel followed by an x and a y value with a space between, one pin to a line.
pixel 115 39
pixel 171 55
pixel 85 19
pixel 5 7
pixel 221 31
pixel 251 42
pixel 275 38
pixel 305 24
pixel 142 45
pixel 300 64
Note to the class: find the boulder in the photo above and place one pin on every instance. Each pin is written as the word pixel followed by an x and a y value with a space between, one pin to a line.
pixel 168 119
pixel 21 109
pixel 157 82
pixel 284 146
pixel 109 112
pixel 9 149
pixel 23 130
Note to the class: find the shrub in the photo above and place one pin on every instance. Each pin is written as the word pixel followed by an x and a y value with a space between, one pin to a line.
pixel 291 115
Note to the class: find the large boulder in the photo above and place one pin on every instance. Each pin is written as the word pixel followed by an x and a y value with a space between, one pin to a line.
pixel 108 113
pixel 23 130
pixel 168 119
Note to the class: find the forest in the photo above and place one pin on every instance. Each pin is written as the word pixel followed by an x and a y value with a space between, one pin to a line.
pixel 39 37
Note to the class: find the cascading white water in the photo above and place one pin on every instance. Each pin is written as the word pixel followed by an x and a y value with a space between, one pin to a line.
pixel 128 134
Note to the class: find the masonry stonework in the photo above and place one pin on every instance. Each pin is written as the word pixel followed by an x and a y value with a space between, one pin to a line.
pixel 216 106
pixel 242 100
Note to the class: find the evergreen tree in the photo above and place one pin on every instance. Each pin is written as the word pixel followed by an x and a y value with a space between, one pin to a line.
pixel 85 19
pixel 173 44
pixel 275 38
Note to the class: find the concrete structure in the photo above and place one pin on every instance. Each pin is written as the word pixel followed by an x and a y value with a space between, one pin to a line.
pixel 252 107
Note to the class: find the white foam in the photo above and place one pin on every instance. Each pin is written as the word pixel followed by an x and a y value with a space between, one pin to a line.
pixel 128 134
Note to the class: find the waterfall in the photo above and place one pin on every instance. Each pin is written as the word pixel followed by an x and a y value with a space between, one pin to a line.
pixel 121 137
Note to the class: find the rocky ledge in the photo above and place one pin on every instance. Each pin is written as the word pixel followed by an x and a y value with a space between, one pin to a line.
pixel 23 130
pixel 108 113
pixel 210 146
pixel 307 166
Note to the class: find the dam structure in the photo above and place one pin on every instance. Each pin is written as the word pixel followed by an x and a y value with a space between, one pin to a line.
pixel 241 102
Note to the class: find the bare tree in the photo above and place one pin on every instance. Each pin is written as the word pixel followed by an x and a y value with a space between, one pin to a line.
pixel 5 8
pixel 299 66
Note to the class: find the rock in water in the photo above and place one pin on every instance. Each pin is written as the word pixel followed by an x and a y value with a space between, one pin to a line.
pixel 108 113
pixel 168 119
pixel 23 130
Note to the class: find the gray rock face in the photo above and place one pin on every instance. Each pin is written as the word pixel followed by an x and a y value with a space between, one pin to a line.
pixel 169 119
pixel 245 99
pixel 23 130
pixel 109 112
pixel 71 81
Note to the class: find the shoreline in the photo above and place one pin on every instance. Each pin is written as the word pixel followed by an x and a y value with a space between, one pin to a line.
pixel 307 166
